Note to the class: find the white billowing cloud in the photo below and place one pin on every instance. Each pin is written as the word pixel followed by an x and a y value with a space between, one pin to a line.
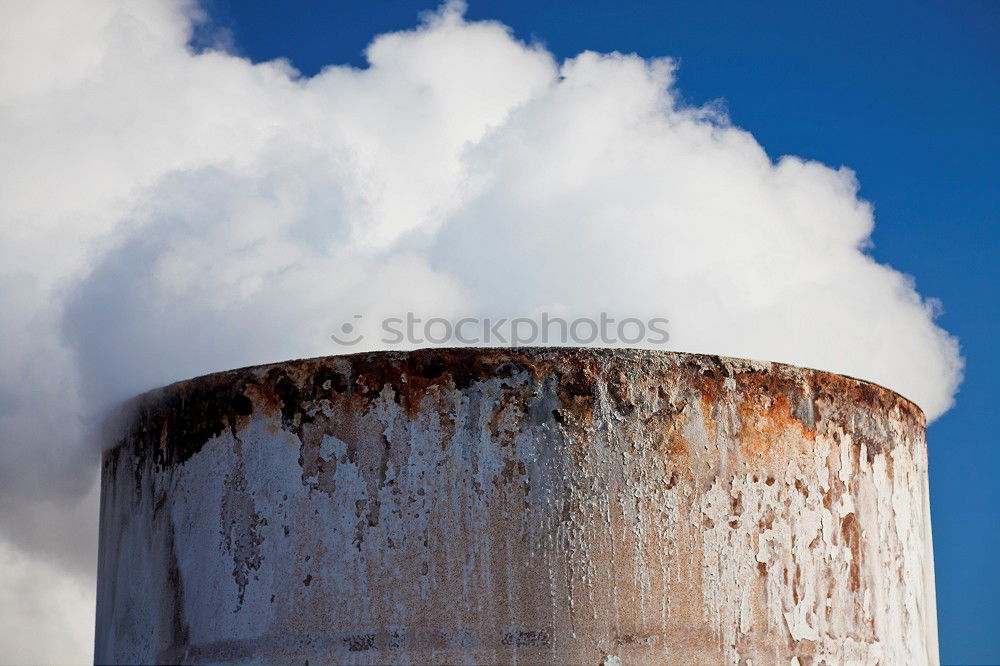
pixel 167 213
pixel 46 612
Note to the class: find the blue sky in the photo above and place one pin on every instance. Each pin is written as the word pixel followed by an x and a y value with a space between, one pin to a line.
pixel 906 94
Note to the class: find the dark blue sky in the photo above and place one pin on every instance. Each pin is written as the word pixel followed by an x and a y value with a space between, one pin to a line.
pixel 906 94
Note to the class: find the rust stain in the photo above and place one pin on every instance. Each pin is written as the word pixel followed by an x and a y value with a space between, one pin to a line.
pixel 850 530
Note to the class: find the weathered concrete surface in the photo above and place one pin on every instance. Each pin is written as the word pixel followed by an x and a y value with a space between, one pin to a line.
pixel 554 505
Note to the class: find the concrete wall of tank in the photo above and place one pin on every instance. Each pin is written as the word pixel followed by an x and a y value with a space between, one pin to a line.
pixel 575 506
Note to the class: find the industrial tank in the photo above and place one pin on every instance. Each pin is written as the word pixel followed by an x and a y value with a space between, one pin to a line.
pixel 584 506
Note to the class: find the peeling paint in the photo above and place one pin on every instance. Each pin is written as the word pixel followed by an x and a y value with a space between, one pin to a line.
pixel 517 506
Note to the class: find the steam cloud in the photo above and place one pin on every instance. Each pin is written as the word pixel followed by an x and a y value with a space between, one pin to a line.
pixel 167 213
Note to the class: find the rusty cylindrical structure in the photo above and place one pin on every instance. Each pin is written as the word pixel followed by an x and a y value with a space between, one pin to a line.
pixel 579 506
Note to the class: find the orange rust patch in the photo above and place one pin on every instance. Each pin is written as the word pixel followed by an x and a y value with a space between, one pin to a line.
pixel 264 400
pixel 764 428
